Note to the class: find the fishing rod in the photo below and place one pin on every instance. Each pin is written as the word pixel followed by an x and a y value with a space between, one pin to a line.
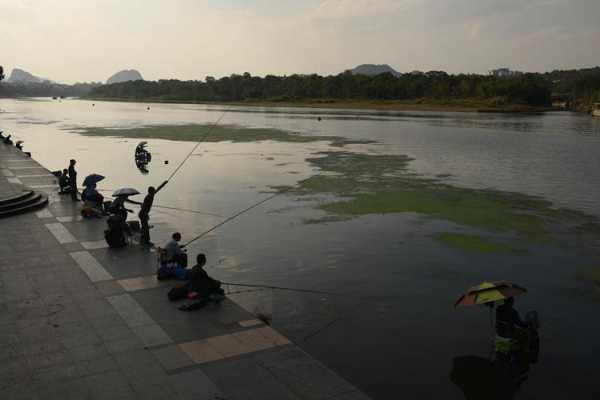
pixel 284 288
pixel 234 216
pixel 197 144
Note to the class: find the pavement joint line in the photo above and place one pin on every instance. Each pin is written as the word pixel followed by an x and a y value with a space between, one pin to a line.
pixel 7 172
pixel 14 180
pixel 45 213
pixel 61 233
pixel 88 264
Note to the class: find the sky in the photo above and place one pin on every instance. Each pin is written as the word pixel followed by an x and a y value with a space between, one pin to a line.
pixel 89 40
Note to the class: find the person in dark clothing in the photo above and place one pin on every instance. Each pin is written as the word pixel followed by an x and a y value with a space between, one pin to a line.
pixel 508 319
pixel 144 213
pixel 63 182
pixel 73 179
pixel 199 281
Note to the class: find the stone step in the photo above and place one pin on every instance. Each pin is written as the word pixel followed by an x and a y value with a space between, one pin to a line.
pixel 40 201
pixel 31 199
pixel 16 198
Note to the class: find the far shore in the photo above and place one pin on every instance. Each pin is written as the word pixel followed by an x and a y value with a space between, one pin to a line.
pixel 389 105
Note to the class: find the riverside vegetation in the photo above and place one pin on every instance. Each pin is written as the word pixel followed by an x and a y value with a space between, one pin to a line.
pixel 436 89
pixel 355 184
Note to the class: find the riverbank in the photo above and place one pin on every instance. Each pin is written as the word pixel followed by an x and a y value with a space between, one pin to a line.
pixel 383 105
pixel 82 321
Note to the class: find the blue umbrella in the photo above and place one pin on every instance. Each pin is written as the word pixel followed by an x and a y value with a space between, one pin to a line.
pixel 92 179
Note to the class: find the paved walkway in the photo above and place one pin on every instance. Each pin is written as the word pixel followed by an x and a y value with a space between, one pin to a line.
pixel 81 321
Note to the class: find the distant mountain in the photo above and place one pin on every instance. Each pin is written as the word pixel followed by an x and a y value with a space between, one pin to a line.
pixel 373 69
pixel 20 76
pixel 124 76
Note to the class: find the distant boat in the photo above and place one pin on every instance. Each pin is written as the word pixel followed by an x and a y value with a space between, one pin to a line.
pixel 596 110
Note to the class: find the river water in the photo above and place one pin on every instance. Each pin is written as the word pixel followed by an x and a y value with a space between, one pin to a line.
pixel 392 331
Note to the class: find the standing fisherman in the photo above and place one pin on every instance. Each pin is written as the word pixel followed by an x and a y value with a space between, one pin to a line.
pixel 144 213
pixel 73 179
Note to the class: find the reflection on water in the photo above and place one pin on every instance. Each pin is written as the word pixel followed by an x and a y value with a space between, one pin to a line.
pixel 391 328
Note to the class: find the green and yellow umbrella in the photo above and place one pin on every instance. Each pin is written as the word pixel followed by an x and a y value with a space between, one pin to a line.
pixel 489 292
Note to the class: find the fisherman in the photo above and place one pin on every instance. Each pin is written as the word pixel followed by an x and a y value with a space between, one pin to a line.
pixel 90 194
pixel 508 319
pixel 174 251
pixel 512 335
pixel 118 208
pixel 63 182
pixel 144 213
pixel 73 179
pixel 199 280
pixel 7 140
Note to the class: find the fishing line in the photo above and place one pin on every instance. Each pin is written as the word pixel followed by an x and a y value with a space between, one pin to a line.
pixel 234 216
pixel 284 288
pixel 197 144
pixel 172 208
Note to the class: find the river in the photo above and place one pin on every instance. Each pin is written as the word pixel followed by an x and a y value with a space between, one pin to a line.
pixel 387 321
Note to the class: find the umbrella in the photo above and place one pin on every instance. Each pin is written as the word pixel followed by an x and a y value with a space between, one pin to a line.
pixel 125 192
pixel 489 292
pixel 92 179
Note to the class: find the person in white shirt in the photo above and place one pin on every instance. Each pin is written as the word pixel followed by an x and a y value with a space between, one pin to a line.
pixel 175 252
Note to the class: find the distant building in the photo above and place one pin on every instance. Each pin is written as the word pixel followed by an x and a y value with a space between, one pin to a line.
pixel 503 72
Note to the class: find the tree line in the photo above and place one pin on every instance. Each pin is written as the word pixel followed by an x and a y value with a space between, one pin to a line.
pixel 529 89
pixel 578 87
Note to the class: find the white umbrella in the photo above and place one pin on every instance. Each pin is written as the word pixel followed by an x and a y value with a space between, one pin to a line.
pixel 125 192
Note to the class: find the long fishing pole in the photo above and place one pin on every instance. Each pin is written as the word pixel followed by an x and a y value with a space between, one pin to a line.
pixel 284 288
pixel 234 216
pixel 197 144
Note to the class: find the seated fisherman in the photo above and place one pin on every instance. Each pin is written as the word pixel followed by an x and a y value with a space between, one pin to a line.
pixel 199 281
pixel 508 319
pixel 63 182
pixel 91 195
pixel 174 251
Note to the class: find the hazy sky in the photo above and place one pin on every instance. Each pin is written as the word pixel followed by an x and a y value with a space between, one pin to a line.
pixel 85 40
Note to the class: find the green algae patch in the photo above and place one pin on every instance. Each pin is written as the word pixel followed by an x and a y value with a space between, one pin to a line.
pixel 362 184
pixel 464 207
pixel 472 243
pixel 211 133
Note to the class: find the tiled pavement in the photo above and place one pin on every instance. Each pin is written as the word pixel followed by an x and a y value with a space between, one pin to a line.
pixel 81 321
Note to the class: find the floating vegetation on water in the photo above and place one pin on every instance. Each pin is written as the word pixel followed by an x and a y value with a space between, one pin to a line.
pixel 473 243
pixel 380 184
pixel 219 133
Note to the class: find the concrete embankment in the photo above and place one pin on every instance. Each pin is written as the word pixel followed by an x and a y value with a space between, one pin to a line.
pixel 82 321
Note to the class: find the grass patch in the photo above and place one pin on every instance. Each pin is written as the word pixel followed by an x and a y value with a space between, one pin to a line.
pixel 219 133
pixel 472 243
pixel 382 184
